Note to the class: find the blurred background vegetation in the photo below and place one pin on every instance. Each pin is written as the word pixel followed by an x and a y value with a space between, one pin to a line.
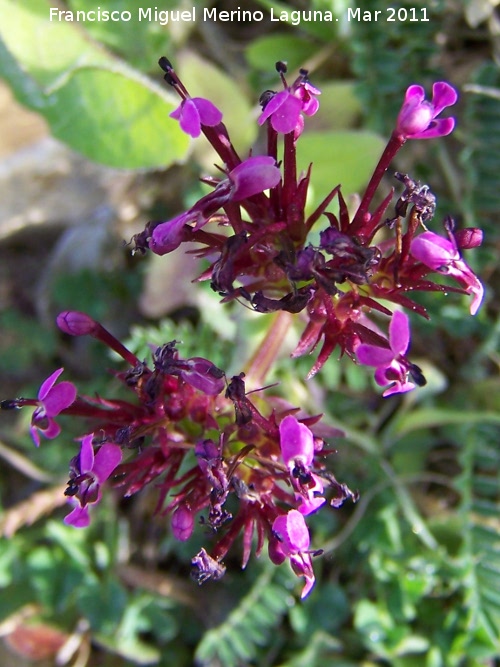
pixel 411 573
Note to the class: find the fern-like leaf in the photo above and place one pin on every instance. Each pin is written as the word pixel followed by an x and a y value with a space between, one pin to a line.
pixel 249 625
pixel 480 488
pixel 481 158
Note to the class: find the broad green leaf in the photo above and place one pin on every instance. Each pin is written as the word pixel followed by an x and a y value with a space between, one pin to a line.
pixel 114 120
pixel 93 102
pixel 346 157
pixel 45 49
pixel 143 38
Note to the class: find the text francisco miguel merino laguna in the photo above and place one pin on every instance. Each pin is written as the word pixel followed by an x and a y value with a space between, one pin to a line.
pixel 163 17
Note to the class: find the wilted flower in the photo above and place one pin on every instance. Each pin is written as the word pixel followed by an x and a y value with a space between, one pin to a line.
pixel 52 400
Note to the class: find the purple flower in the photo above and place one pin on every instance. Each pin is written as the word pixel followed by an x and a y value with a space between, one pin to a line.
pixel 417 118
pixel 297 449
pixel 443 256
pixel 284 111
pixel 194 112
pixel 167 236
pixel 391 366
pixel 284 108
pixel 87 474
pixel 253 175
pixel 292 541
pixel 52 400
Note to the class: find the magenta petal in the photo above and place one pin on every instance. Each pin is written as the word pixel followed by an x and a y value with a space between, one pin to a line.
pixel 273 105
pixel 296 441
pixel 477 290
pixel 293 531
pixel 414 95
pixel 414 120
pixel 167 236
pixel 35 435
pixel 309 505
pixel 209 114
pixel 399 388
pixel 372 355
pixel 190 119
pixel 78 518
pixel 381 377
pixel 399 333
pixel 59 397
pixel 310 107
pixel 177 113
pixel 308 585
pixel 254 175
pixel 52 430
pixel 443 95
pixel 87 454
pixel 106 460
pixel 433 250
pixel 286 117
pixel 49 383
pixel 297 532
pixel 437 128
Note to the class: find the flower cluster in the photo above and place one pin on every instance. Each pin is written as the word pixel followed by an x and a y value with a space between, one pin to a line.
pixel 196 433
pixel 256 234
pixel 199 438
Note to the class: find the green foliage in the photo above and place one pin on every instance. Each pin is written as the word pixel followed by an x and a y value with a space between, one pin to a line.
pixel 112 114
pixel 350 160
pixel 39 343
pixel 249 624
pixel 480 488
pixel 410 575
pixel 137 41
pixel 481 157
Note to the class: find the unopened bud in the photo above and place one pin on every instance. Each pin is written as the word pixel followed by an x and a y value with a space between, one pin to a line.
pixel 182 523
pixel 470 237
pixel 75 323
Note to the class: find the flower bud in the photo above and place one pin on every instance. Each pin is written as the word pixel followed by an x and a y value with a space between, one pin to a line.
pixel 182 523
pixel 470 237
pixel 75 323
